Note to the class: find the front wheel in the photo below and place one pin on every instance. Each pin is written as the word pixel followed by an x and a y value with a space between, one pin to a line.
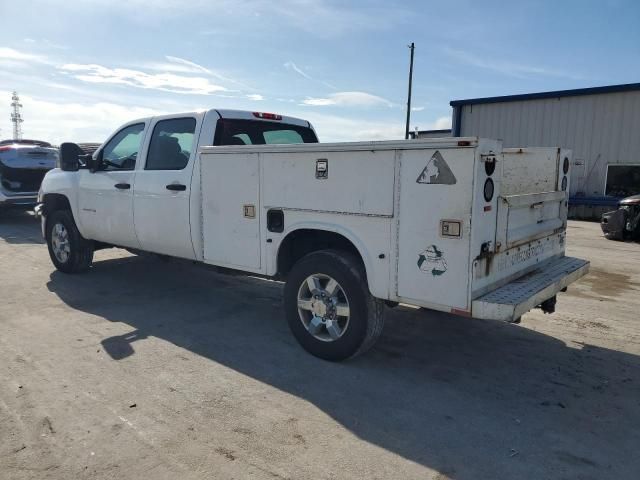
pixel 329 308
pixel 69 251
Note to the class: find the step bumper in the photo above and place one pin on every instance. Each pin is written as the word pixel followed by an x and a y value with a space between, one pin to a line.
pixel 517 297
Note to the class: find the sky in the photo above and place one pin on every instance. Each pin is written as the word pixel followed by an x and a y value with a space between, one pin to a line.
pixel 83 67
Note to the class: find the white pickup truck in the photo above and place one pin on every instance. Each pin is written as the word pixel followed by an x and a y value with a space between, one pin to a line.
pixel 452 224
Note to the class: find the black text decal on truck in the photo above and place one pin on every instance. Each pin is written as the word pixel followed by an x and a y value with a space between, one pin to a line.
pixel 437 171
pixel 432 260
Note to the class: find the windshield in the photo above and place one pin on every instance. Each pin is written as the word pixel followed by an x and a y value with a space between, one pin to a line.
pixel 251 132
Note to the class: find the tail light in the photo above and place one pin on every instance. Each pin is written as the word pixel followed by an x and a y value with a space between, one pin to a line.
pixel 267 116
pixel 488 190
pixel 5 148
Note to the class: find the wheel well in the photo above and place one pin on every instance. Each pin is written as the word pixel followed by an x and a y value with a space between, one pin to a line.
pixel 299 243
pixel 55 201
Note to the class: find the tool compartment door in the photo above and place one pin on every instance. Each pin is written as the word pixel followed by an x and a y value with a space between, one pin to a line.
pixel 436 192
pixel 230 189
pixel 531 216
pixel 534 190
pixel 357 182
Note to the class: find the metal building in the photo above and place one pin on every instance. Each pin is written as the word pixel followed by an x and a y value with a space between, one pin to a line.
pixel 601 125
pixel 446 132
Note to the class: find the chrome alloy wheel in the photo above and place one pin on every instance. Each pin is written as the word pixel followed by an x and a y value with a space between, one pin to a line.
pixel 323 307
pixel 60 242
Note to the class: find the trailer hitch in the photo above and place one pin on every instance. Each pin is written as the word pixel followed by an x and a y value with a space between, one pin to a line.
pixel 548 306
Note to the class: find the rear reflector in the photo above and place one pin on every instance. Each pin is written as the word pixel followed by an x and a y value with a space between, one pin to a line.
pixel 267 116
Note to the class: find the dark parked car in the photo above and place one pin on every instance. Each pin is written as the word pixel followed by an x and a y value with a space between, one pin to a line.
pixel 23 165
pixel 623 223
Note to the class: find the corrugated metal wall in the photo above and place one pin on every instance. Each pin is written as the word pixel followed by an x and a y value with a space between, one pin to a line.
pixel 601 129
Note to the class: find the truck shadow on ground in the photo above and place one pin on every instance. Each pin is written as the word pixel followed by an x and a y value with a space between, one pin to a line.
pixel 469 398
pixel 19 226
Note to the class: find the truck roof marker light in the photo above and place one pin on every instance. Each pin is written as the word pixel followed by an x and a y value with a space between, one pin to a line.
pixel 267 116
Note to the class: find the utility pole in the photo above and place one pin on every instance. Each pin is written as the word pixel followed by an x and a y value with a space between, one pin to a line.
pixel 406 132
pixel 16 117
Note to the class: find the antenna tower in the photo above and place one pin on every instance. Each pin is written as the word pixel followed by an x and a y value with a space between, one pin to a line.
pixel 16 116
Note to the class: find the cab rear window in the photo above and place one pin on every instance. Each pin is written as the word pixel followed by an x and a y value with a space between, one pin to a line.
pixel 251 132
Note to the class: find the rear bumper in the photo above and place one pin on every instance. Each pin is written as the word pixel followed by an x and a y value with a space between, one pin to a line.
pixel 516 298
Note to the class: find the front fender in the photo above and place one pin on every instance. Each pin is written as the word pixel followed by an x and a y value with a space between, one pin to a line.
pixel 62 183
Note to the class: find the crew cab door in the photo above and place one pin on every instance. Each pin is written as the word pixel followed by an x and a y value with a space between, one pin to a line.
pixel 162 187
pixel 105 201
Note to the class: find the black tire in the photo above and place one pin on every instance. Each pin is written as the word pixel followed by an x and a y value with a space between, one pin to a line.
pixel 80 255
pixel 366 318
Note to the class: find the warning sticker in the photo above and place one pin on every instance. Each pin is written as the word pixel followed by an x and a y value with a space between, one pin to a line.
pixel 437 172
pixel 432 260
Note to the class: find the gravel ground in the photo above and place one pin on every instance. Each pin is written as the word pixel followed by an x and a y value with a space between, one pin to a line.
pixel 146 368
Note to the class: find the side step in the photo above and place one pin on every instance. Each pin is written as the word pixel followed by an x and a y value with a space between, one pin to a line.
pixel 525 293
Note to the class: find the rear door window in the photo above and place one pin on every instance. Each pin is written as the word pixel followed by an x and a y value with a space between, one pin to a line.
pixel 251 132
pixel 171 144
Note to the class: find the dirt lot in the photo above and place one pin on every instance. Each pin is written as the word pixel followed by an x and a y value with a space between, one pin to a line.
pixel 151 369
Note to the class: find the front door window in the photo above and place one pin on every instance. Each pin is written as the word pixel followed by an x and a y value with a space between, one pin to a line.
pixel 121 152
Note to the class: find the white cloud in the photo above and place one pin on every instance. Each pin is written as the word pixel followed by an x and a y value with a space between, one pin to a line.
pixel 167 82
pixel 441 123
pixel 167 67
pixel 293 67
pixel 417 109
pixel 57 122
pixel 347 99
pixel 298 70
pixel 323 18
pixel 11 54
pixel 255 96
pixel 320 18
pixel 11 58
pixel 182 65
pixel 44 43
pixel 192 66
pixel 335 128
pixel 517 70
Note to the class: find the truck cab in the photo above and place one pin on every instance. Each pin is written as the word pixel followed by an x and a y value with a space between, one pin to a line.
pixel 136 190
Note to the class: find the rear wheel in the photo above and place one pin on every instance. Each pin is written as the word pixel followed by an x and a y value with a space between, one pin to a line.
pixel 69 251
pixel 329 308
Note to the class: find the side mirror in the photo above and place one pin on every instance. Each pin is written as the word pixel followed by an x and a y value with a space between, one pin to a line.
pixel 95 163
pixel 70 157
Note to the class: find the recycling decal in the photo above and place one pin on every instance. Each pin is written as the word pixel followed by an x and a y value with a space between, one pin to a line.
pixel 437 171
pixel 431 260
